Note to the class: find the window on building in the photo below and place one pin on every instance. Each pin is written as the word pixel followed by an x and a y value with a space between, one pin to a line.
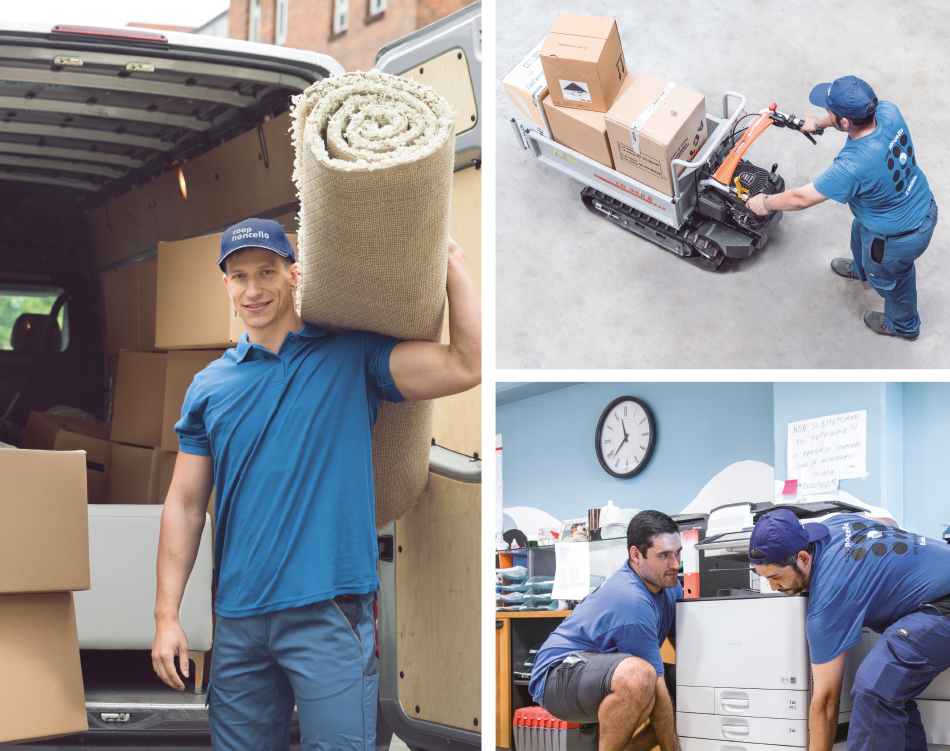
pixel 280 34
pixel 24 311
pixel 341 16
pixel 254 21
pixel 376 7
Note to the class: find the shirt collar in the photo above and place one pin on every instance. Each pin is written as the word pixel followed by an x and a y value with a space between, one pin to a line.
pixel 245 347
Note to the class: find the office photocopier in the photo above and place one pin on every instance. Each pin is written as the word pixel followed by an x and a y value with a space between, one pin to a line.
pixel 743 673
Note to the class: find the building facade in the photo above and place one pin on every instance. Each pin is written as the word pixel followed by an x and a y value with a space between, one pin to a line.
pixel 350 31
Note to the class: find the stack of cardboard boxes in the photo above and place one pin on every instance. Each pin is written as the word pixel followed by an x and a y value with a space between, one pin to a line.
pixel 575 89
pixel 44 558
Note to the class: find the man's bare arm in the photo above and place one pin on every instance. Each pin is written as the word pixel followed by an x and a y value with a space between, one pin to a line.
pixel 795 199
pixel 426 370
pixel 183 519
pixel 823 713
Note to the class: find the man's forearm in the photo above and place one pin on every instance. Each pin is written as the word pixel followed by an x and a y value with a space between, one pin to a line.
pixel 465 316
pixel 822 723
pixel 177 549
pixel 663 720
pixel 790 200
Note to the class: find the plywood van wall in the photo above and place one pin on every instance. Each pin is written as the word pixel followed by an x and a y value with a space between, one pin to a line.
pixel 224 185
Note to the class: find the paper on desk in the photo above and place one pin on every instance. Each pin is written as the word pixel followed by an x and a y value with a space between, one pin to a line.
pixel 572 571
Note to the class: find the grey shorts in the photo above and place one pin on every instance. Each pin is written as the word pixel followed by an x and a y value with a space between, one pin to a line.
pixel 575 687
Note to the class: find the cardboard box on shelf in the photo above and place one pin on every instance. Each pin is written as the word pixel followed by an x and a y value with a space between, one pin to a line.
pixel 139 406
pixel 582 130
pixel 525 86
pixel 49 432
pixel 148 291
pixel 182 367
pixel 135 475
pixel 583 62
pixel 193 308
pixel 39 650
pixel 653 123
pixel 44 523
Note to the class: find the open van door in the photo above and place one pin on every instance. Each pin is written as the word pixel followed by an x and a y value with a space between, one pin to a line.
pixel 429 569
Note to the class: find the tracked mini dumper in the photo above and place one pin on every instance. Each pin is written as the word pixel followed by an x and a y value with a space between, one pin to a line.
pixel 706 220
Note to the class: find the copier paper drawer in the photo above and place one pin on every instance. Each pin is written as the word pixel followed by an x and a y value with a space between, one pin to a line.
pixel 705 744
pixel 746 729
pixel 756 702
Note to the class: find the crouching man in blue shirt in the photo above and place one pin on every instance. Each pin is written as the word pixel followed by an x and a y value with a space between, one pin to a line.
pixel 863 572
pixel 602 664
pixel 877 175
pixel 282 425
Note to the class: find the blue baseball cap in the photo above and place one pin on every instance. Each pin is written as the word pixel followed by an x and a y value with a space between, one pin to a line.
pixel 256 233
pixel 847 97
pixel 780 534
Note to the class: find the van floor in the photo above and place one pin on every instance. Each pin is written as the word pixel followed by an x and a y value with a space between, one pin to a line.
pixel 575 291
pixel 127 677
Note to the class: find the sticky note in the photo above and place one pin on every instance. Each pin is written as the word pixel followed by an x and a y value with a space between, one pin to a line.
pixel 791 487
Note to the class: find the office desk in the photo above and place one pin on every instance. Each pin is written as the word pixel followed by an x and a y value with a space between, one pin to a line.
pixel 515 633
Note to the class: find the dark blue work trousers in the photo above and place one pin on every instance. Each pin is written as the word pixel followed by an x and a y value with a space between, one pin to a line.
pixel 910 654
pixel 321 657
pixel 888 266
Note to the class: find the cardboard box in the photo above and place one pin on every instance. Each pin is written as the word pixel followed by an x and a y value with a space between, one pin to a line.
pixel 139 406
pixel 135 475
pixel 129 300
pixel 49 432
pixel 653 123
pixel 44 522
pixel 42 696
pixel 193 307
pixel 583 62
pixel 582 130
pixel 182 367
pixel 526 87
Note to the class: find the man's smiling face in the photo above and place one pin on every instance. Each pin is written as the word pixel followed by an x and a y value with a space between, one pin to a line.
pixel 260 283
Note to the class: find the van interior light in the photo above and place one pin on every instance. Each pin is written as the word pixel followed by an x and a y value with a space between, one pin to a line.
pixel 181 184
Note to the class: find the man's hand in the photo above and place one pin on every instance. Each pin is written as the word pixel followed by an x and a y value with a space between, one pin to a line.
pixel 756 205
pixel 427 370
pixel 170 640
pixel 811 125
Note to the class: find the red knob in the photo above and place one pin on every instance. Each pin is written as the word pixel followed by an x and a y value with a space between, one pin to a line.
pixel 772 107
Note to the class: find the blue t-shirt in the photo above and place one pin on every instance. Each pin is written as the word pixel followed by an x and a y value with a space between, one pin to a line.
pixel 621 616
pixel 291 438
pixel 869 574
pixel 879 178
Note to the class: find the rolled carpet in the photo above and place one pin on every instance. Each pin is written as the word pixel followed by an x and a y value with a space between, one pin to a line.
pixel 374 161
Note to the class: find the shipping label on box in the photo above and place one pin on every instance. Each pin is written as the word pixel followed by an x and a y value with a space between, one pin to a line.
pixel 526 87
pixel 654 122
pixel 583 62
pixel 44 521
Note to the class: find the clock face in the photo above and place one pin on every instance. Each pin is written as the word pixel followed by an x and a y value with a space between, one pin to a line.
pixel 626 435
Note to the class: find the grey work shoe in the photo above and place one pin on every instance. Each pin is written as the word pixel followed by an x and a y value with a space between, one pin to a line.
pixel 843 267
pixel 875 321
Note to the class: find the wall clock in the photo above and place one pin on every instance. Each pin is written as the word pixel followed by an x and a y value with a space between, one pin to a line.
pixel 625 437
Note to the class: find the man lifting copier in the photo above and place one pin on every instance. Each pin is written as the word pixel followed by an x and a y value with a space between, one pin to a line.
pixel 863 572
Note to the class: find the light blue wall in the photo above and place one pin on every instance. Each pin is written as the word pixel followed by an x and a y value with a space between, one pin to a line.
pixel 883 401
pixel 926 457
pixel 548 440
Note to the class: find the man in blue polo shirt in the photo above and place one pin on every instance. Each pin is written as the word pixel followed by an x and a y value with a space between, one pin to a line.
pixel 281 425
pixel 877 175
pixel 863 572
pixel 603 664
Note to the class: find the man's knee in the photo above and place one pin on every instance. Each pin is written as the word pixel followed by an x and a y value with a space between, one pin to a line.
pixel 634 677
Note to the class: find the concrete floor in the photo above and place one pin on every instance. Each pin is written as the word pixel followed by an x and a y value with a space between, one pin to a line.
pixel 574 291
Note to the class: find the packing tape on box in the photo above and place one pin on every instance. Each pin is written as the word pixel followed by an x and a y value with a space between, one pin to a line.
pixel 641 121
pixel 374 163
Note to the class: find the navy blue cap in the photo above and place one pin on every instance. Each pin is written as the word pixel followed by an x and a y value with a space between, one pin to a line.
pixel 256 233
pixel 780 534
pixel 848 96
